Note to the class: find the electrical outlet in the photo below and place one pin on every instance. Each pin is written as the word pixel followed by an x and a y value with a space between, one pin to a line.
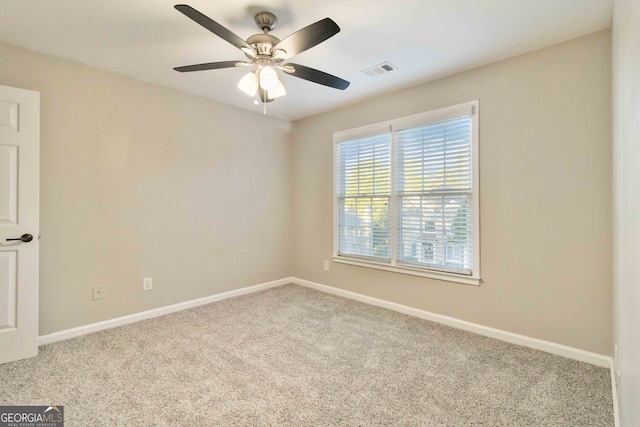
pixel 147 283
pixel 98 292
pixel 326 266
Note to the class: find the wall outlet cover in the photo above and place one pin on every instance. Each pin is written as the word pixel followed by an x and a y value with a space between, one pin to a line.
pixel 98 292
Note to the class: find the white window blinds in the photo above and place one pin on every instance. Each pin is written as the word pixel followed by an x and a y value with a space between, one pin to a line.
pixel 434 194
pixel 407 197
pixel 363 189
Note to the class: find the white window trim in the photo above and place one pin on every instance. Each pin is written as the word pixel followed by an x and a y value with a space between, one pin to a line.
pixel 471 107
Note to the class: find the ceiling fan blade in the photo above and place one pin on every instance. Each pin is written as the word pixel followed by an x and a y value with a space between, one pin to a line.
pixel 308 37
pixel 209 66
pixel 319 77
pixel 212 26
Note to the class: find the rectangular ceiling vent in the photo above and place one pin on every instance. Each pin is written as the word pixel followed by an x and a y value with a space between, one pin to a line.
pixel 383 68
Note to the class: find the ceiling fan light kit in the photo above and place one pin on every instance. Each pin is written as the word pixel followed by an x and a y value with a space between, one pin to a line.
pixel 249 84
pixel 267 53
pixel 278 91
pixel 268 78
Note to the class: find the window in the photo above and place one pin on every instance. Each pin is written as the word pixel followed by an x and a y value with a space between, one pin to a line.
pixel 364 190
pixel 407 195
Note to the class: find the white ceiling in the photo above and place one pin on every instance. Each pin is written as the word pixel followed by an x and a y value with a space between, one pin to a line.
pixel 425 39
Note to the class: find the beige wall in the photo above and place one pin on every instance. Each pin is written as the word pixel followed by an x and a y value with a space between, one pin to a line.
pixel 545 182
pixel 626 131
pixel 137 181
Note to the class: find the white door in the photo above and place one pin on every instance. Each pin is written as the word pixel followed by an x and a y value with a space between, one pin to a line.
pixel 19 219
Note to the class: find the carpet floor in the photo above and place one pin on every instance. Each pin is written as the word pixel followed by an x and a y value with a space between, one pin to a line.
pixel 293 356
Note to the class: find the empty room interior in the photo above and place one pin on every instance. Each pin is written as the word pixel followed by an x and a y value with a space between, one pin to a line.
pixel 362 212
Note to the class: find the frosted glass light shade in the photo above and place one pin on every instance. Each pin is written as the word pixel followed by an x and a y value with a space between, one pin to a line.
pixel 268 78
pixel 277 92
pixel 249 84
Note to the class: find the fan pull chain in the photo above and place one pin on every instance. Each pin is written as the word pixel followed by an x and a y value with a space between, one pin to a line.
pixel 264 103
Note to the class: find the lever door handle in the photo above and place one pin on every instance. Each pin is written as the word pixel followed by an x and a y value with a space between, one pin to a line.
pixel 25 238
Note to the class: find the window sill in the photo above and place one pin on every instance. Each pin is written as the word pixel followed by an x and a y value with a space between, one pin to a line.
pixel 432 274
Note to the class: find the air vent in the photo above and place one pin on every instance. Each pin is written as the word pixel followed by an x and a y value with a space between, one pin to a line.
pixel 383 68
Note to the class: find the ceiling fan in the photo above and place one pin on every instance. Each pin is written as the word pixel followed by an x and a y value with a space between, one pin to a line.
pixel 267 53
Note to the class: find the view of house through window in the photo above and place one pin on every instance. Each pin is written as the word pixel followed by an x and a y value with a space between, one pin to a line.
pixel 406 197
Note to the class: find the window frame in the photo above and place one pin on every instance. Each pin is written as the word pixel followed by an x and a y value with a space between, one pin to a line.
pixel 416 120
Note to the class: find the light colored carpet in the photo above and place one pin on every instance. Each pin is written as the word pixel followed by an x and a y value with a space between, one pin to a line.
pixel 297 357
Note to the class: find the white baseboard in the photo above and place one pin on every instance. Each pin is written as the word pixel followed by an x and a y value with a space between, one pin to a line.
pixel 119 321
pixel 549 347
pixel 614 393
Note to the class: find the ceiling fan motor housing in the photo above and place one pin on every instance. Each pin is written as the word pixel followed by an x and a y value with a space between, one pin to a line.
pixel 263 43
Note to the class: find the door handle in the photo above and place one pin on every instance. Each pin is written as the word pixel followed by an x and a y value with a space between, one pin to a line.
pixel 24 238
